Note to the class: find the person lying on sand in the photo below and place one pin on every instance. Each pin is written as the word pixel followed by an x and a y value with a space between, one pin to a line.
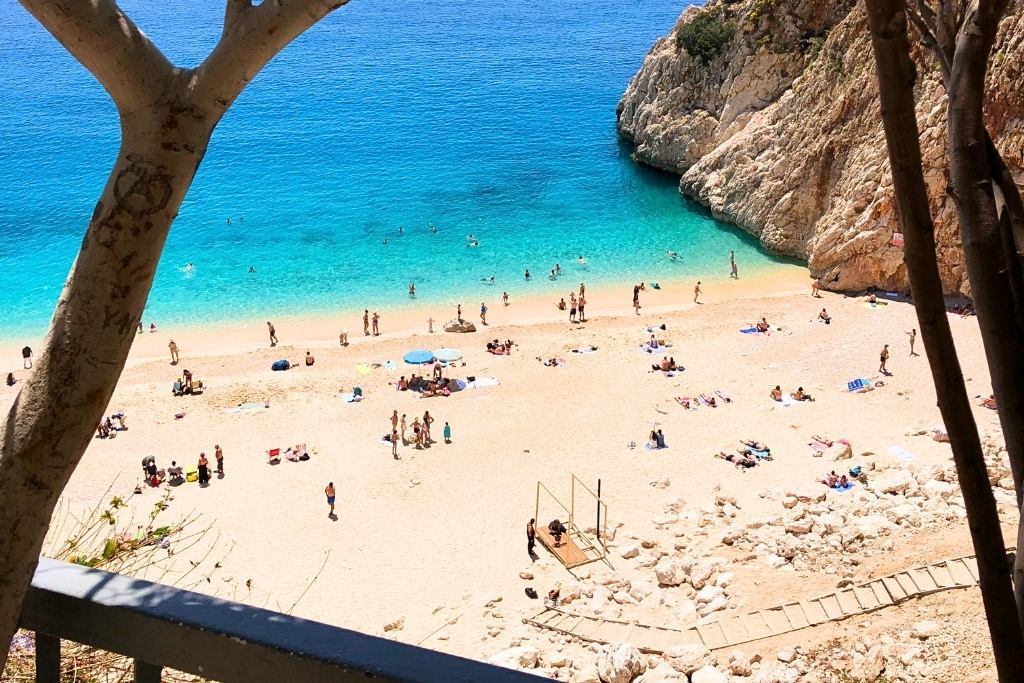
pixel 741 461
pixel 799 395
pixel 989 402
pixel 776 393
pixel 756 445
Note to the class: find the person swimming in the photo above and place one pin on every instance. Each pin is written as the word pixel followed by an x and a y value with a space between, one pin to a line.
pixel 487 280
pixel 251 269
pixel 580 260
pixel 433 230
pixel 401 230
pixel 672 254
pixel 527 274
pixel 385 241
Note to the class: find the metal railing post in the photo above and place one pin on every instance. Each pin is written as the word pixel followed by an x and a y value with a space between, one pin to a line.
pixel 146 672
pixel 47 658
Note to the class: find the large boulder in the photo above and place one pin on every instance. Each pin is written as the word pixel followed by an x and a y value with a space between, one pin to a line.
pixel 522 657
pixel 688 658
pixel 459 326
pixel 708 674
pixel 663 673
pixel 620 663
pixel 670 572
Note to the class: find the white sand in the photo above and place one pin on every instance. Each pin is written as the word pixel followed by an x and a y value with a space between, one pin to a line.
pixel 457 538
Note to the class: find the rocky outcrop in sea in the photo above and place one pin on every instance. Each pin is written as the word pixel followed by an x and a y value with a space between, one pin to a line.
pixel 769 111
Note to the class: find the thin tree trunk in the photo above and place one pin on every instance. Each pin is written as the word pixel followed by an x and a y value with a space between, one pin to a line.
pixel 56 412
pixel 896 77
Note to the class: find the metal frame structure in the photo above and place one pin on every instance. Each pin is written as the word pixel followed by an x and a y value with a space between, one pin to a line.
pixel 594 552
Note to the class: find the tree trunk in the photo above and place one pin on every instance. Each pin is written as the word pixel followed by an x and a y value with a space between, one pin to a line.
pixel 896 77
pixel 56 412
pixel 983 237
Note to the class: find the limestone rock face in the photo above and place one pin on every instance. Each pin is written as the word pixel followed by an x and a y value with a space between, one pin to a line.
pixel 780 133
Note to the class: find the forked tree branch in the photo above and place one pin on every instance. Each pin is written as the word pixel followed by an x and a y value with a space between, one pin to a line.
pixel 252 36
pixel 100 36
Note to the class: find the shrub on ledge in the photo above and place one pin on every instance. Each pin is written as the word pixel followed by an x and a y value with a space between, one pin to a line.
pixel 704 36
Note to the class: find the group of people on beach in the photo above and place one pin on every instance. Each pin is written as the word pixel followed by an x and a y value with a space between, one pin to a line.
pixel 175 475
pixel 421 437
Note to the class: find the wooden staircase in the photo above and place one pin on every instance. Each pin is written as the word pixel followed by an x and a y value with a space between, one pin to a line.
pixel 731 630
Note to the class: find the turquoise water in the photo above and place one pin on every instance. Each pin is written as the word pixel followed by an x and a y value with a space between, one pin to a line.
pixel 496 119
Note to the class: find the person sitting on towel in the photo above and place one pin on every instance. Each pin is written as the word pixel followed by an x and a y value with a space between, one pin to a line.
pixel 799 395
pixel 659 439
pixel 653 343
pixel 776 393
pixel 309 359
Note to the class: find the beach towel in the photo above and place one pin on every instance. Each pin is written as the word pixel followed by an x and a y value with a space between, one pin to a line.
pixel 649 447
pixel 760 455
pixel 843 489
pixel 724 396
pixel 587 349
pixel 900 453
pixel 877 306
pixel 818 446
pixel 246 406
pixel 786 402
pixel 351 398
pixel 686 402
pixel 748 330
pixel 858 385
pixel 646 348
pixel 483 382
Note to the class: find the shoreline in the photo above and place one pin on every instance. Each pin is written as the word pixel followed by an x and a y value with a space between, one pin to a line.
pixel 319 330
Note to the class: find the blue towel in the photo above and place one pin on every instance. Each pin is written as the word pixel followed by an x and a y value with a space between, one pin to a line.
pixel 843 489
pixel 749 330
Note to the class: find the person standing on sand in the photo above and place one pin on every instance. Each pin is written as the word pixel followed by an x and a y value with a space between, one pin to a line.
pixel 458 312
pixel 174 352
pixel 504 298
pixel 218 455
pixel 204 470
pixel 376 324
pixel 815 286
pixel 394 420
pixel 583 290
pixel 343 337
pixel 636 295
pixel 26 356
pixel 531 535
pixel 402 429
pixel 913 338
pixel 447 433
pixel 430 325
pixel 636 303
pixel 572 307
pixel 427 421
pixel 696 293
pixel 884 356
pixel 329 492
pixel 366 322
pixel 483 313
pixel 582 302
pixel 732 265
pixel 394 443
pixel 273 333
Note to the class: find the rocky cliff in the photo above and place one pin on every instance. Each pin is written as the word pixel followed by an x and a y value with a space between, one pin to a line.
pixel 769 111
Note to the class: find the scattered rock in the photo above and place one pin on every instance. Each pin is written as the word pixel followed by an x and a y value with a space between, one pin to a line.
pixel 526 575
pixel 739 663
pixel 620 663
pixel 708 674
pixel 786 654
pixel 521 657
pixel 630 551
pixel 688 658
pixel 670 572
pixel 923 630
pixel 395 625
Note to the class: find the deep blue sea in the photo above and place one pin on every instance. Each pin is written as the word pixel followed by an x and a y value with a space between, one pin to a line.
pixel 482 117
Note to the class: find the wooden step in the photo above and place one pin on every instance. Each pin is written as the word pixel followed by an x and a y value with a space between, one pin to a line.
pixel 587 629
pixel 796 617
pixel 892 586
pixel 848 602
pixel 756 626
pixel 958 570
pixel 923 580
pixel 881 594
pixel 814 612
pixel 866 597
pixel 735 630
pixel 776 620
pixel 907 584
pixel 972 567
pixel 712 635
pixel 941 576
pixel 831 606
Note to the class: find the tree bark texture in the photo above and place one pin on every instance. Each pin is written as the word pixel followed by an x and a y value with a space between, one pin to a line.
pixel 167 116
pixel 896 77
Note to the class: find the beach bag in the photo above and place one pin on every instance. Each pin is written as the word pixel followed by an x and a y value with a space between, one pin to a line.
pixel 855 471
pixel 280 365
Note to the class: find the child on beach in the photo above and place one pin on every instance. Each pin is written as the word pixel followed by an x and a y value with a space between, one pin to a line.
pixel 447 433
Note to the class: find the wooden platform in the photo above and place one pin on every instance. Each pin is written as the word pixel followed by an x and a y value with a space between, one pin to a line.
pixel 568 553
pixel 733 629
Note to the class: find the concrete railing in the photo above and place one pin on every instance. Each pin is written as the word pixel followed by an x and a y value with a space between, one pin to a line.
pixel 159 626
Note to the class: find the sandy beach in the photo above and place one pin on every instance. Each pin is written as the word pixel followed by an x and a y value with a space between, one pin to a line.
pixel 437 534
